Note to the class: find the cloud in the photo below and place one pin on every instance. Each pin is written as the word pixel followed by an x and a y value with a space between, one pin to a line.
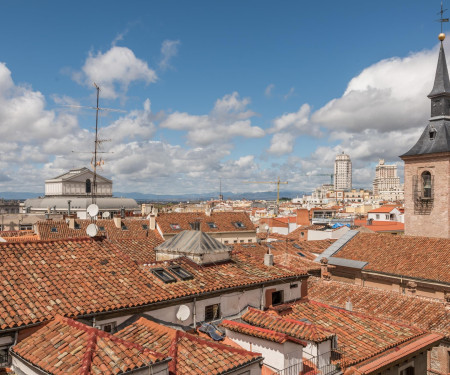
pixel 114 71
pixel 169 49
pixel 289 94
pixel 228 119
pixel 389 95
pixel 281 143
pixel 269 89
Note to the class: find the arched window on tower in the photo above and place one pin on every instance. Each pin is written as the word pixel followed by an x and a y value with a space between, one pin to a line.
pixel 427 185
pixel 88 186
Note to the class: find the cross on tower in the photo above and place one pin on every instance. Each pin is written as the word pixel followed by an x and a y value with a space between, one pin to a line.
pixel 442 19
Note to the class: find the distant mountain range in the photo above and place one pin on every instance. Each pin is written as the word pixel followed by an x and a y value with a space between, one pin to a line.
pixel 263 195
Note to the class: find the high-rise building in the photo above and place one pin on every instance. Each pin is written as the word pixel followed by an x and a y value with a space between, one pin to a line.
pixel 386 184
pixel 343 172
pixel 427 165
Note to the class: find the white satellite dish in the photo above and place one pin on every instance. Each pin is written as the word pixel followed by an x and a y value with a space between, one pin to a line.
pixel 92 210
pixel 106 215
pixel 92 230
pixel 183 313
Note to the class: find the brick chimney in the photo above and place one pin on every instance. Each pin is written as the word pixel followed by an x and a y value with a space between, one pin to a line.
pixel 324 274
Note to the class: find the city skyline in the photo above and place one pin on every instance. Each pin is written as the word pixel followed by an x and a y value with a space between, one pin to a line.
pixel 233 91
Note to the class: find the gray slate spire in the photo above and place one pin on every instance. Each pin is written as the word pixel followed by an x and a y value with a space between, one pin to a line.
pixel 436 136
pixel 441 80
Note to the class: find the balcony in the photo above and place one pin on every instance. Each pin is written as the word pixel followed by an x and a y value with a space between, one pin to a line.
pixel 324 364
pixel 4 359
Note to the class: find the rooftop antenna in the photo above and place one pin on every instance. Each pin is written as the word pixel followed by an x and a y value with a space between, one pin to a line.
pixel 442 19
pixel 96 161
pixel 220 187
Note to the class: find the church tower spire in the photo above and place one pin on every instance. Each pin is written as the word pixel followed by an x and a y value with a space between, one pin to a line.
pixel 440 94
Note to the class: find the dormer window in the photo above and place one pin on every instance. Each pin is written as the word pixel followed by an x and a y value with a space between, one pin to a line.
pixel 175 226
pixel 54 230
pixel 124 227
pixel 212 225
pixel 432 133
pixel 77 226
pixel 145 226
pixel 164 275
pixel 239 224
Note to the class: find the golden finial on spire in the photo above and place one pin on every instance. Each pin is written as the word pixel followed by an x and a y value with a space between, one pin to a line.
pixel 441 36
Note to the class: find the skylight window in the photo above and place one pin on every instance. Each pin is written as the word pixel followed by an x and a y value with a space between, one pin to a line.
pixel 212 225
pixel 77 226
pixel 54 230
pixel 181 273
pixel 239 224
pixel 144 226
pixel 124 227
pixel 175 226
pixel 163 275
pixel 301 254
pixel 101 229
pixel 297 246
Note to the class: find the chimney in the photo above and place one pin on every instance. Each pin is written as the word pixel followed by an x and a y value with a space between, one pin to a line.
pixel 324 274
pixel 155 211
pixel 208 211
pixel 152 222
pixel 117 221
pixel 447 301
pixel 268 259
pixel 71 222
pixel 411 288
pixel 349 305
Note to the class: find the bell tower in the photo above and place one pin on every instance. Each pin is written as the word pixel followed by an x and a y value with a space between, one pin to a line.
pixel 427 164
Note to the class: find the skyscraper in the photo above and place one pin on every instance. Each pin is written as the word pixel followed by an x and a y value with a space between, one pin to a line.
pixel 386 184
pixel 343 172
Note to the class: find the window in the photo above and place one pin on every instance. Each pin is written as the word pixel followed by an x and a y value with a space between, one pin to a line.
pixel 225 242
pixel 302 234
pixel 239 224
pixel 250 240
pixel 88 186
pixel 163 275
pixel 124 227
pixel 3 355
pixel 77 226
pixel 426 183
pixel 54 230
pixel 101 229
pixel 181 273
pixel 378 216
pixel 175 226
pixel 241 241
pixel 212 225
pixel 293 286
pixel 235 241
pixel 432 133
pixel 277 297
pixel 195 225
pixel 212 312
pixel 110 327
pixel 144 226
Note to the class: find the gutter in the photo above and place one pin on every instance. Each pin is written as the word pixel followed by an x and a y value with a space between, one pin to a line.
pixel 237 368
pixel 408 278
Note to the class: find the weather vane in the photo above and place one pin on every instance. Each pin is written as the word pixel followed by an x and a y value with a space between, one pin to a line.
pixel 442 20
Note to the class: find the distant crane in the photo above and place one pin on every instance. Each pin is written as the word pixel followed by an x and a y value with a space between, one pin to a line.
pixel 278 182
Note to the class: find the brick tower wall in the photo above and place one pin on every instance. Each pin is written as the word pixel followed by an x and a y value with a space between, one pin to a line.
pixel 437 222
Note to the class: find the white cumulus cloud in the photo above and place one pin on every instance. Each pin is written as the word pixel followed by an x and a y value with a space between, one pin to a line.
pixel 169 49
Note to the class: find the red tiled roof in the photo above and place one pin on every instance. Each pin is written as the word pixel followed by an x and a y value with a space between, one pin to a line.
pixel 262 333
pixel 223 220
pixel 382 226
pixel 81 276
pixel 383 209
pixel 65 346
pixel 141 250
pixel 134 229
pixel 359 336
pixel 417 257
pixel 190 354
pixel 421 312
pixel 285 325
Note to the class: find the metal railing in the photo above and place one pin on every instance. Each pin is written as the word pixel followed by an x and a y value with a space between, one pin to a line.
pixel 325 364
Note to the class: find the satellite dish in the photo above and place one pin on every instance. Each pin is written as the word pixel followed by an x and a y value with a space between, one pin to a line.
pixel 92 210
pixel 106 215
pixel 183 313
pixel 92 230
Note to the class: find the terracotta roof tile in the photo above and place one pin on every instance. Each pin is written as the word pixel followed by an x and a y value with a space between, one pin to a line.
pixel 65 346
pixel 45 278
pixel 383 209
pixel 421 312
pixel 418 257
pixel 190 354
pixel 224 221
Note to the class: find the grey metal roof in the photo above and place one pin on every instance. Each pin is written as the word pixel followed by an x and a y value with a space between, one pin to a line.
pixel 347 263
pixel 193 242
pixel 441 141
pixel 337 245
pixel 441 80
pixel 74 173
pixel 79 203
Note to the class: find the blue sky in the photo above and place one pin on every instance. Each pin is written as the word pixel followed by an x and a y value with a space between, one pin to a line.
pixel 212 89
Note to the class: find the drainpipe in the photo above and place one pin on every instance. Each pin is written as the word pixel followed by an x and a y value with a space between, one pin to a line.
pixel 194 313
pixel 68 202
pixel 261 305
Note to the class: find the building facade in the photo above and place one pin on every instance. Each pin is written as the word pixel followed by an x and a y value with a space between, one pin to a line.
pixel 343 172
pixel 427 165
pixel 386 184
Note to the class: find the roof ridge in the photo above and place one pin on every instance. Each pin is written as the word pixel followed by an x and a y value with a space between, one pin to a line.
pixel 173 353
pixel 89 353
